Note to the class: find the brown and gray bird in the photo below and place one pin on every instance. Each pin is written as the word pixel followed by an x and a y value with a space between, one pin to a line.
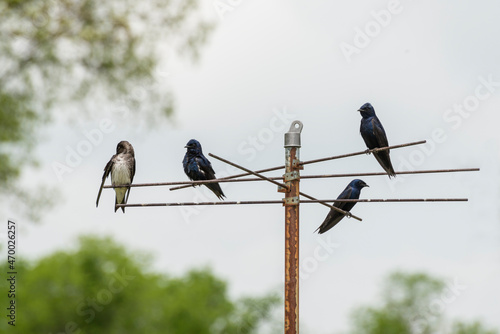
pixel 122 169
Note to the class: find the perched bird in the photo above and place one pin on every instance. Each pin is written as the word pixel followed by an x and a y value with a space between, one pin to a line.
pixel 352 191
pixel 198 168
pixel 373 134
pixel 122 169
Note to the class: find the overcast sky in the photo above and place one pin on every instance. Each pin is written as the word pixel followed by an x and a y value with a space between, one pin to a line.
pixel 431 71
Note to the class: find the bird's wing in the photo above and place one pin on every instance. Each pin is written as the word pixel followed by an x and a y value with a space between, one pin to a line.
pixel 382 157
pixel 346 194
pixel 209 174
pixel 334 216
pixel 330 221
pixel 379 132
pixel 107 170
pixel 368 133
pixel 206 168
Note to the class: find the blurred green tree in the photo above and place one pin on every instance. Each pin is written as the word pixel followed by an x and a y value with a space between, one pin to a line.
pixel 57 52
pixel 102 288
pixel 471 328
pixel 412 303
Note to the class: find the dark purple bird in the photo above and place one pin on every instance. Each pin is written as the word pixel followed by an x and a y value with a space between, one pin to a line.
pixel 373 134
pixel 122 169
pixel 352 191
pixel 198 168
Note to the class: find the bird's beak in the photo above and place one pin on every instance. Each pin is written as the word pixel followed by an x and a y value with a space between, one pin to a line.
pixel 367 185
pixel 186 146
pixel 359 110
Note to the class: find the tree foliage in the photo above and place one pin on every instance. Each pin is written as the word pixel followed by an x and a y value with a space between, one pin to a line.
pixel 102 288
pixel 411 304
pixel 471 328
pixel 79 47
pixel 79 54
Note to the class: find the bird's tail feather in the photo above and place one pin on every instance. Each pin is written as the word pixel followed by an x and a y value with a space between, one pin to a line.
pixel 121 197
pixel 385 161
pixel 215 187
pixel 116 207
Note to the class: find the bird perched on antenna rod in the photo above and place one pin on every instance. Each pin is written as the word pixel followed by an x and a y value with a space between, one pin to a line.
pixel 198 168
pixel 352 191
pixel 373 134
pixel 122 169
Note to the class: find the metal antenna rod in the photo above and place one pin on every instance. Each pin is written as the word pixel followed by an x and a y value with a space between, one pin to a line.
pixel 315 161
pixel 345 213
pixel 249 171
pixel 374 200
pixel 190 183
pixel 363 152
pixel 193 183
pixel 428 171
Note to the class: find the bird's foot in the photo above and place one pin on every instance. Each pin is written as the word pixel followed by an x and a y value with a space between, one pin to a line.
pixel 348 214
pixel 368 151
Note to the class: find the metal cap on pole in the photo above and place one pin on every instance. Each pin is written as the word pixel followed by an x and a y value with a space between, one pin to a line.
pixel 292 137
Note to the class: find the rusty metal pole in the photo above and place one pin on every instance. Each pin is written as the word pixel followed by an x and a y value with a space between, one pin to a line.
pixel 291 202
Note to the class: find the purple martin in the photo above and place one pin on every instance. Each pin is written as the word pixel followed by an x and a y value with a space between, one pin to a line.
pixel 373 134
pixel 198 168
pixel 352 191
pixel 122 169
